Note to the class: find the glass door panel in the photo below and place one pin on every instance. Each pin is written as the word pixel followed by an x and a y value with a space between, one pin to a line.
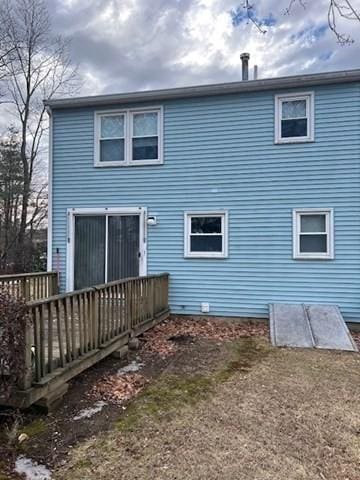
pixel 89 261
pixel 123 247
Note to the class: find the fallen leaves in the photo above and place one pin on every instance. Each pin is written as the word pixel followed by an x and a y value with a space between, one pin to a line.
pixel 118 389
pixel 356 337
pixel 164 340
pixel 160 339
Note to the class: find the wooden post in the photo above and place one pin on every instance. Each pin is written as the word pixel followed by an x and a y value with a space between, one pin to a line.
pixel 25 381
pixel 53 283
pixel 25 288
pixel 96 319
pixel 50 337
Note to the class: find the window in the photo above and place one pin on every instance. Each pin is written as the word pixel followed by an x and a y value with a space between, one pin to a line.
pixel 145 136
pixel 130 137
pixel 206 235
pixel 112 138
pixel 294 118
pixel 313 234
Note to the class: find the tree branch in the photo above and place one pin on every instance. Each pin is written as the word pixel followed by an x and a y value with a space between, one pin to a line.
pixel 338 9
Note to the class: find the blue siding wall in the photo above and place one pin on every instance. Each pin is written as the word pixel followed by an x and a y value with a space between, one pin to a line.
pixel 220 154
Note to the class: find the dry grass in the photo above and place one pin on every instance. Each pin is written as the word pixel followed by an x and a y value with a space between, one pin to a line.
pixel 265 414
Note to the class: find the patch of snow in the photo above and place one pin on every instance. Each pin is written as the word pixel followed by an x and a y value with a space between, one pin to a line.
pixel 134 366
pixel 31 469
pixel 90 412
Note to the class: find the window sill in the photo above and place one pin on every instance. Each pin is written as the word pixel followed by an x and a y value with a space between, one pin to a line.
pixel 136 163
pixel 206 256
pixel 314 257
pixel 293 140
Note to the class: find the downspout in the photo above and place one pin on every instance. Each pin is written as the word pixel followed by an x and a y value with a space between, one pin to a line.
pixel 50 179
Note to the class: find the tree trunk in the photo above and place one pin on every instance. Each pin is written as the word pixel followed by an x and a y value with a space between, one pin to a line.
pixel 20 257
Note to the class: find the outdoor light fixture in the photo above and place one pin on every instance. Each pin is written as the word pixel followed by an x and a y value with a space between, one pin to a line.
pixel 151 220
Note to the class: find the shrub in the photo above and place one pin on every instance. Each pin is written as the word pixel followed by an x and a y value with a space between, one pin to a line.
pixel 13 321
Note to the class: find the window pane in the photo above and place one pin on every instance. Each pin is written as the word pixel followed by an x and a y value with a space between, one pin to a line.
pixel 89 257
pixel 205 224
pixel 145 124
pixel 294 109
pixel 111 150
pixel 112 126
pixel 145 148
pixel 206 243
pixel 123 247
pixel 313 244
pixel 294 128
pixel 313 223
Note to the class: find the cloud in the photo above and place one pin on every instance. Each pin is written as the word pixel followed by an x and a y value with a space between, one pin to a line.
pixel 127 45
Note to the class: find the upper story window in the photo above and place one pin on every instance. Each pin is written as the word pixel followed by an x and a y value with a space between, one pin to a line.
pixel 206 235
pixel 313 234
pixel 112 138
pixel 294 118
pixel 145 136
pixel 130 137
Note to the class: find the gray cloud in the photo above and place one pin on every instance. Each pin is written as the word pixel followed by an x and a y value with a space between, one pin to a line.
pixel 125 45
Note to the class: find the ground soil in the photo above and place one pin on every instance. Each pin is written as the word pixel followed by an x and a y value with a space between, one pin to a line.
pixel 213 407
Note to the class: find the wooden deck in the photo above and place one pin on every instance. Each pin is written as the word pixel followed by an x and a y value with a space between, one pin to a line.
pixel 71 332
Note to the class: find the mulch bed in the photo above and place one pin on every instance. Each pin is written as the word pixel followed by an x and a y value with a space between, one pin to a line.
pixel 165 339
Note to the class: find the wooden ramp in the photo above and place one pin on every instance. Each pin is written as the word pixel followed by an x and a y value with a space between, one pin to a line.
pixel 309 326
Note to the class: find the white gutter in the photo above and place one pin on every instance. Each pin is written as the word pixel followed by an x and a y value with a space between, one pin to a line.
pixel 297 81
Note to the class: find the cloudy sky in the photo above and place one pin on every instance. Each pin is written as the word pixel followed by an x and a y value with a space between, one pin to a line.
pixel 126 45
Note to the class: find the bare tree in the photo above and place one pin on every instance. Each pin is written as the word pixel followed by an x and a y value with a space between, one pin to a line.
pixel 37 66
pixel 337 10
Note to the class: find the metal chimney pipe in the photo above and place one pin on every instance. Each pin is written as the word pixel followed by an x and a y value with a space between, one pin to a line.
pixel 255 72
pixel 245 65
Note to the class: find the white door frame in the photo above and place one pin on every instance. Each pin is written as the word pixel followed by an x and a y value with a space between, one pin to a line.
pixel 70 248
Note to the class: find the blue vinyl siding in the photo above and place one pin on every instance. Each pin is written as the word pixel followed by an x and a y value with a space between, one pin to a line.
pixel 219 153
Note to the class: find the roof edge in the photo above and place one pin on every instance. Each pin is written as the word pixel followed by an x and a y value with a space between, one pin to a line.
pixel 307 80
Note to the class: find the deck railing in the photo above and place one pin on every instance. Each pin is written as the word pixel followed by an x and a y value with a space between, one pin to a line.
pixel 69 332
pixel 30 286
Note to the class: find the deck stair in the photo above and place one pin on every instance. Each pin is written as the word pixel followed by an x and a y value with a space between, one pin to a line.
pixel 309 326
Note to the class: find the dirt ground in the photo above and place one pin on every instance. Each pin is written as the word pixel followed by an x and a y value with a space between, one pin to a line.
pixel 212 405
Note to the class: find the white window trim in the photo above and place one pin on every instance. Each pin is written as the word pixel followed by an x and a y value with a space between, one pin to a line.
pixel 70 251
pixel 97 126
pixel 187 229
pixel 310 108
pixel 329 220
pixel 128 162
pixel 159 160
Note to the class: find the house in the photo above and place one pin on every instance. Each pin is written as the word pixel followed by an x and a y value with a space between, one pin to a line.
pixel 247 193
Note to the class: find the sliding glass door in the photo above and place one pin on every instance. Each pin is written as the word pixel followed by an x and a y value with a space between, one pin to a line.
pixel 106 248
